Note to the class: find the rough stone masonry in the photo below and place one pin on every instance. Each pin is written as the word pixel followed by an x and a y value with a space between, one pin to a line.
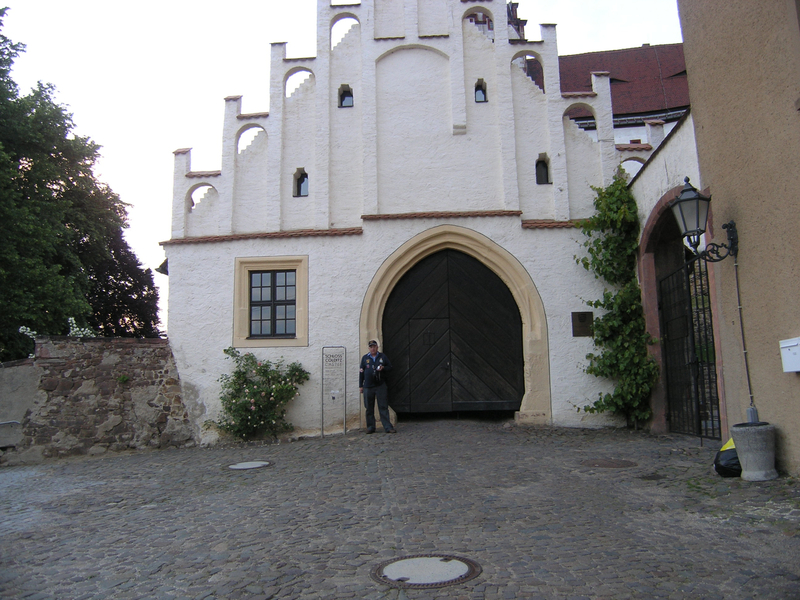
pixel 90 396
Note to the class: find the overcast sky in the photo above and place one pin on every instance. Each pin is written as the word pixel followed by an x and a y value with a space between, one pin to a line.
pixel 143 79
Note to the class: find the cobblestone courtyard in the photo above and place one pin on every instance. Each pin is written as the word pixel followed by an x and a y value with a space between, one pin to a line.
pixel 524 503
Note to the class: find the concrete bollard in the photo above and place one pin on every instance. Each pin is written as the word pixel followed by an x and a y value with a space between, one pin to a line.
pixel 755 445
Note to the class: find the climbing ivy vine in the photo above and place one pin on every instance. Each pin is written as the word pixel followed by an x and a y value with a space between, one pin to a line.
pixel 620 336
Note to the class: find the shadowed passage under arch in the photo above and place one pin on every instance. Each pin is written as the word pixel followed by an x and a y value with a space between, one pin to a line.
pixel 454 334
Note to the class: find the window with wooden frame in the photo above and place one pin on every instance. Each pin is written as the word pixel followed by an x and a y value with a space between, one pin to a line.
pixel 271 302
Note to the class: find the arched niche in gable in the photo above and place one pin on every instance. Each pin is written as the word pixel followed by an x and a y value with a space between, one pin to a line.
pixel 530 63
pixel 298 80
pixel 584 161
pixel 249 136
pixel 250 199
pixel 202 203
pixel 481 18
pixel 344 27
pixel 632 166
pixel 417 158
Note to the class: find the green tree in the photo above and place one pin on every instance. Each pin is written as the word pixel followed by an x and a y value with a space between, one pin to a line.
pixel 123 296
pixel 620 335
pixel 61 244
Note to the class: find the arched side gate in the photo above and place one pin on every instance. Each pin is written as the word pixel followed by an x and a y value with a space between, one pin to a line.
pixel 454 334
pixel 689 359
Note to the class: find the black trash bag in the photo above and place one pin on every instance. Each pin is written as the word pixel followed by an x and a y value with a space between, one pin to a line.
pixel 726 463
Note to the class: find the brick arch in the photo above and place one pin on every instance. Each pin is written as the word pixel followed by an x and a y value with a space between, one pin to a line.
pixel 536 402
pixel 648 279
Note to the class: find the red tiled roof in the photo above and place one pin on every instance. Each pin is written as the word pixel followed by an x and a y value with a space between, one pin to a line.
pixel 634 147
pixel 643 80
pixel 443 215
pixel 549 224
pixel 203 174
pixel 295 233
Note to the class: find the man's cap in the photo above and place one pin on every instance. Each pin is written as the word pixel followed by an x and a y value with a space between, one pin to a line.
pixel 372 343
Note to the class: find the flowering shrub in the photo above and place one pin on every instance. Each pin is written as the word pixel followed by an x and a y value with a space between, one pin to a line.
pixel 75 331
pixel 255 395
pixel 28 331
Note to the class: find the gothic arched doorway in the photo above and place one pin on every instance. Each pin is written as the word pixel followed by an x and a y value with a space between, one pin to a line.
pixel 454 334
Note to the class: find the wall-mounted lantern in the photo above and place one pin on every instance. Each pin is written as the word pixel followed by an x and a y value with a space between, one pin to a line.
pixel 691 211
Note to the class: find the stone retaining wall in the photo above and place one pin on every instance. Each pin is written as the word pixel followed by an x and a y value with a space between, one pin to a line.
pixel 90 396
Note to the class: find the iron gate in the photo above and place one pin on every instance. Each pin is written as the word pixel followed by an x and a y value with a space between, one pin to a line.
pixel 689 359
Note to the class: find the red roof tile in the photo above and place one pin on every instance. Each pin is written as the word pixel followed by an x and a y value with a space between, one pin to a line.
pixel 443 215
pixel 209 239
pixel 548 224
pixel 634 147
pixel 643 80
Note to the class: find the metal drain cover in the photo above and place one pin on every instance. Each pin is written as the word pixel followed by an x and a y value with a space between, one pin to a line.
pixel 607 463
pixel 426 571
pixel 255 464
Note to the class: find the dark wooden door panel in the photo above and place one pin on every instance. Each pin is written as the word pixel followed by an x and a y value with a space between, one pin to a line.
pixel 454 334
pixel 396 348
pixel 486 383
pixel 500 355
pixel 429 365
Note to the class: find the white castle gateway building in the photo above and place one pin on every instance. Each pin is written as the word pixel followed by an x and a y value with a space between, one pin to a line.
pixel 420 187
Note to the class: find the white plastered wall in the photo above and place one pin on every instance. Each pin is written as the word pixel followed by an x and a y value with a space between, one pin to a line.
pixel 347 140
pixel 340 272
pixel 667 169
pixel 414 141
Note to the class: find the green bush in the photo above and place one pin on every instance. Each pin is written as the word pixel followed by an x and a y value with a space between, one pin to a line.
pixel 255 395
pixel 620 336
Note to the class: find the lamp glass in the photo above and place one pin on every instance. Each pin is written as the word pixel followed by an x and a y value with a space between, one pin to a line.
pixel 691 211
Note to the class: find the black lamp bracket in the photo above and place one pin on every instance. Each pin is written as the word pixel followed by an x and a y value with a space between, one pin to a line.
pixel 717 252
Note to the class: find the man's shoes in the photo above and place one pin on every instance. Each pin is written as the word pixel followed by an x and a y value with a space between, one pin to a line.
pixel 370 430
pixel 391 431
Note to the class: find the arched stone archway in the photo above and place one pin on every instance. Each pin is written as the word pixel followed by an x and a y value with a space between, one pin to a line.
pixel 536 401
pixel 663 253
pixel 659 250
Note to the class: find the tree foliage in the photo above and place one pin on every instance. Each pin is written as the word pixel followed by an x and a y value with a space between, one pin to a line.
pixel 62 253
pixel 620 336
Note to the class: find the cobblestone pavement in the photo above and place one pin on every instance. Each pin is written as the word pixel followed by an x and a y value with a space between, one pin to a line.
pixel 519 501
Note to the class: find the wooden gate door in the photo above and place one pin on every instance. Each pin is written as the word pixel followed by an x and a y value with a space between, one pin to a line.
pixel 454 335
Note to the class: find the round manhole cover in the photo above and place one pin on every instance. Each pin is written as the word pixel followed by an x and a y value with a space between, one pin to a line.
pixel 255 464
pixel 608 463
pixel 426 571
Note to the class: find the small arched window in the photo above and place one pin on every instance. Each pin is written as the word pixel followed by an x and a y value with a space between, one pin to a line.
pixel 345 96
pixel 480 91
pixel 542 171
pixel 300 183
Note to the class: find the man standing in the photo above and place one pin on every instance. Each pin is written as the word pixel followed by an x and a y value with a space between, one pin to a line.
pixel 372 384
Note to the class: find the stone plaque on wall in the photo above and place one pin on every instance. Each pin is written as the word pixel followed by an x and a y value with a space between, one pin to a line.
pixel 582 324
